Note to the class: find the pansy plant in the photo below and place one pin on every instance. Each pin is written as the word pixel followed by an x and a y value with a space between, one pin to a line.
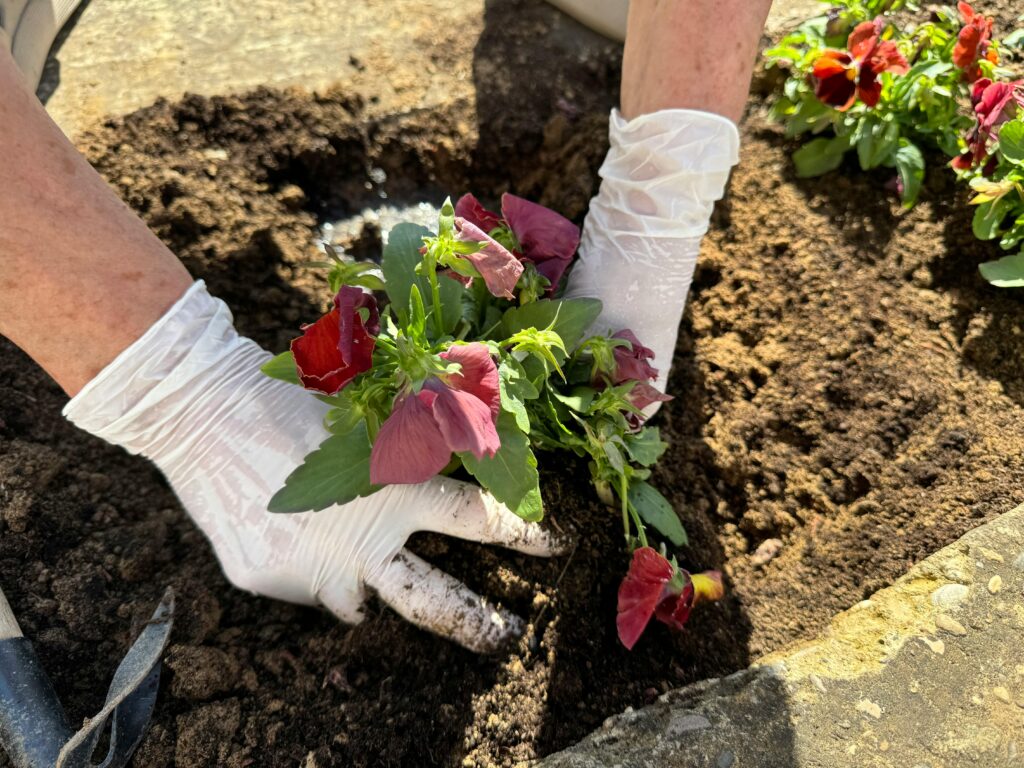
pixel 456 355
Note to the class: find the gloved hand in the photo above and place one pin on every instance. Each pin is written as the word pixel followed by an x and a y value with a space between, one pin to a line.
pixel 660 180
pixel 190 396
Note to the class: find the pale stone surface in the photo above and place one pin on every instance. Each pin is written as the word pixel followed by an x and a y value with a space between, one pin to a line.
pixel 120 55
pixel 878 688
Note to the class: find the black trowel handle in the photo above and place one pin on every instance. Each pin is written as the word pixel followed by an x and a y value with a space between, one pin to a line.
pixel 33 727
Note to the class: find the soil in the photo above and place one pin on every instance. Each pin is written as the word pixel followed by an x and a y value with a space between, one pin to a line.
pixel 848 400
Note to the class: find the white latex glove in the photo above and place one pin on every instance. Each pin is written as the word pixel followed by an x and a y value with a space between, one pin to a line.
pixel 660 180
pixel 190 396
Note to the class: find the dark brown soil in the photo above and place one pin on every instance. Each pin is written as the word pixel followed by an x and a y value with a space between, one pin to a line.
pixel 848 400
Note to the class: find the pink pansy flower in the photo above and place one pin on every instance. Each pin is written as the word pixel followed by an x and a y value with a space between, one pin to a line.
pixel 656 587
pixel 994 104
pixel 339 346
pixel 450 414
pixel 497 265
pixel 546 239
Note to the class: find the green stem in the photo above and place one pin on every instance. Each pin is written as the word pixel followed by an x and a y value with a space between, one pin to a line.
pixel 435 297
pixel 628 510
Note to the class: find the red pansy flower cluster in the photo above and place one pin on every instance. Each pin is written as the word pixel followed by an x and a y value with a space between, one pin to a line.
pixel 656 587
pixel 543 237
pixel 453 413
pixel 339 346
pixel 974 43
pixel 841 77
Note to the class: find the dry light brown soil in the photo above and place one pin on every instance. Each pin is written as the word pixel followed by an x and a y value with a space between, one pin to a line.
pixel 848 400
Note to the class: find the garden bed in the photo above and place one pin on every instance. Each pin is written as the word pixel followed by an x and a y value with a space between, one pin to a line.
pixel 848 400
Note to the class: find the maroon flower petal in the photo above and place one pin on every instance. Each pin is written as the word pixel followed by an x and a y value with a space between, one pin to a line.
pixel 465 420
pixel 409 447
pixel 547 238
pixel 640 593
pixel 470 209
pixel 631 362
pixel 498 266
pixel 675 610
pixel 869 87
pixel 643 395
pixel 318 357
pixel 354 332
pixel 479 375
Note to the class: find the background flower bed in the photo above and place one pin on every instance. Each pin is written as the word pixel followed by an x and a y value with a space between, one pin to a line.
pixel 846 382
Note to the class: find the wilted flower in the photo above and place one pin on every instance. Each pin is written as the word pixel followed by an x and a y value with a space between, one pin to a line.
pixel 842 76
pixel 631 361
pixel 339 346
pixel 974 43
pixel 994 104
pixel 452 413
pixel 538 235
pixel 654 586
pixel 497 265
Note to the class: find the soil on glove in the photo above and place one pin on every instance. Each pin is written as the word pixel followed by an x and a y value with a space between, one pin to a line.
pixel 848 400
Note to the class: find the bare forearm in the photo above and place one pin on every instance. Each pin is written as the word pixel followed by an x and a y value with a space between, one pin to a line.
pixel 692 54
pixel 81 277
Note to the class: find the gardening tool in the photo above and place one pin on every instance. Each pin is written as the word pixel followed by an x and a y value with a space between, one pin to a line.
pixel 34 730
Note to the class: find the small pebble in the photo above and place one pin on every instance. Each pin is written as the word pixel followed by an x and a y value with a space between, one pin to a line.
pixel 869 708
pixel 949 595
pixel 725 760
pixel 995 584
pixel 766 551
pixel 1002 694
pixel 937 646
pixel 950 625
pixel 817 683
pixel 990 554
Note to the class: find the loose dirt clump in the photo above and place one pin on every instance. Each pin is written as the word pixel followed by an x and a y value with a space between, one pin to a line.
pixel 848 400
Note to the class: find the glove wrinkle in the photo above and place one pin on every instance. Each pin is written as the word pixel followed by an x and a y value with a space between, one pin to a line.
pixel 641 238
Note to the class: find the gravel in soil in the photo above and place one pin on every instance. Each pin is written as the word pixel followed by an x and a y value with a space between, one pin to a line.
pixel 848 400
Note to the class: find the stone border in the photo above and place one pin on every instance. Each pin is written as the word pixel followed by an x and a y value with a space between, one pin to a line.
pixel 927 673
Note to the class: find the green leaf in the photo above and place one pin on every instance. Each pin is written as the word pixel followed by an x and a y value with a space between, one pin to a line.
pixel 1014 40
pixel 655 510
pixel 910 166
pixel 646 446
pixel 578 400
pixel 989 217
pixel 335 473
pixel 1011 141
pixel 1007 272
pixel 571 318
pixel 401 255
pixel 878 140
pixel 819 156
pixel 282 367
pixel 511 475
pixel 516 387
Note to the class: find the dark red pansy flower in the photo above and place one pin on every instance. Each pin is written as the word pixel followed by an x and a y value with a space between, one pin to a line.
pixel 974 42
pixel 994 105
pixel 653 586
pixel 339 346
pixel 841 77
pixel 451 414
pixel 631 362
pixel 546 239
